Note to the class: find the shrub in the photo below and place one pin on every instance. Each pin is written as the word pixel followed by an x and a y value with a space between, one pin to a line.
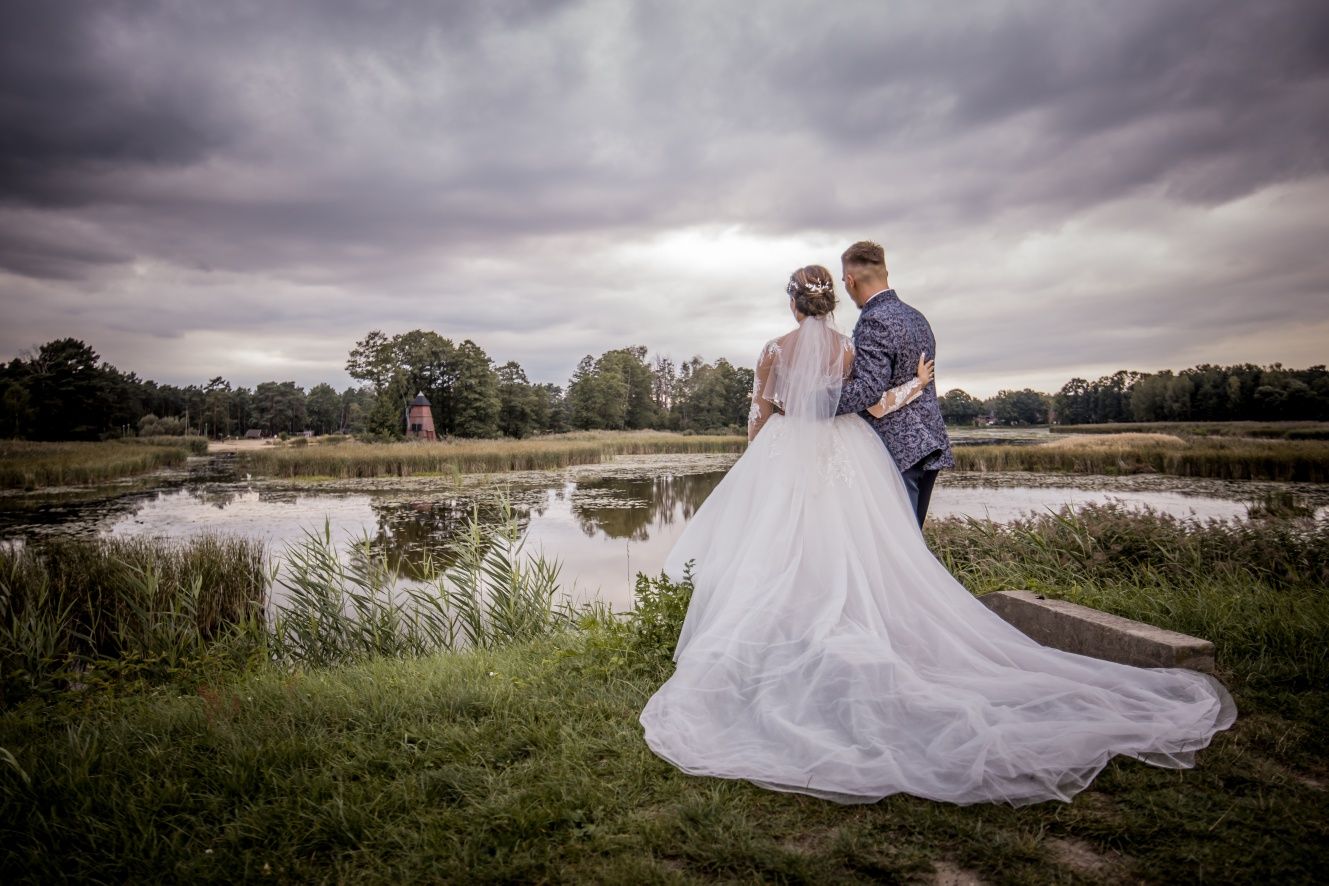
pixel 640 642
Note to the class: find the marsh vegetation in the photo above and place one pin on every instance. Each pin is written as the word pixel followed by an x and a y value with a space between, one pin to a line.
pixel 361 460
pixel 32 465
pixel 1275 430
pixel 519 757
pixel 469 722
pixel 1218 457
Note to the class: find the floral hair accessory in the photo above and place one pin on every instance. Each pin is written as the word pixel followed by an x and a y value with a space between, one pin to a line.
pixel 812 287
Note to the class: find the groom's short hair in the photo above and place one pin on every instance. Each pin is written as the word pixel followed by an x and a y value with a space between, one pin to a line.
pixel 865 253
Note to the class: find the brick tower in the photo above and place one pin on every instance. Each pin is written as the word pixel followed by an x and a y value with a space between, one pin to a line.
pixel 420 419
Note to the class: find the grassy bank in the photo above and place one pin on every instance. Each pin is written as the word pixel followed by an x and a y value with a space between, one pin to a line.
pixel 524 762
pixel 1285 430
pixel 1219 458
pixel 348 460
pixel 137 612
pixel 32 465
pixel 1259 589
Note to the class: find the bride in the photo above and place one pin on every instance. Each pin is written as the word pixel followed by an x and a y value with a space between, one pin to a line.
pixel 826 651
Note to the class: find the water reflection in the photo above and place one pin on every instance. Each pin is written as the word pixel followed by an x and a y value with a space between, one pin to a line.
pixel 632 509
pixel 218 497
pixel 416 533
pixel 604 523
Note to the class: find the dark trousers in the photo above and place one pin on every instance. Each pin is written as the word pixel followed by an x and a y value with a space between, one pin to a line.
pixel 919 484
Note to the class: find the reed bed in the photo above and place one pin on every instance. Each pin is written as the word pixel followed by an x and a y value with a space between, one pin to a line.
pixel 1219 458
pixel 342 610
pixel 406 459
pixel 1286 430
pixel 193 443
pixel 153 609
pixel 33 465
pixel 66 604
pixel 1117 442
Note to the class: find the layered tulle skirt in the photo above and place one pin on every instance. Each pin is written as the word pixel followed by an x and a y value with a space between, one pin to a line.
pixel 826 651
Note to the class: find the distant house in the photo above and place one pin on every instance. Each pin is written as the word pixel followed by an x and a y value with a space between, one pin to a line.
pixel 254 434
pixel 420 419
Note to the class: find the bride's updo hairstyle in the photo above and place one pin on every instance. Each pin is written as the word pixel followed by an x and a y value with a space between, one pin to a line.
pixel 813 290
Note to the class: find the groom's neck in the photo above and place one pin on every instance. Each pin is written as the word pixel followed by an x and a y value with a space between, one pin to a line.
pixel 872 290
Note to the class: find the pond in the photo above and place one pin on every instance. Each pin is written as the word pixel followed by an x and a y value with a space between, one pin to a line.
pixel 604 523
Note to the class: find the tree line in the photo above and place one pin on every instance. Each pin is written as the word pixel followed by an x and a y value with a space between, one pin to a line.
pixel 470 397
pixel 1244 392
pixel 63 390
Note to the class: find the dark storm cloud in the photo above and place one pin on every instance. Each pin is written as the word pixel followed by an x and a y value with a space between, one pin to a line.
pixel 27 248
pixel 334 166
pixel 1212 100
pixel 78 109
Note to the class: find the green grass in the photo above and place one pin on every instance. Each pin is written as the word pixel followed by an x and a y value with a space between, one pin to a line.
pixel 1288 430
pixel 414 458
pixel 525 763
pixel 32 465
pixel 1220 458
pixel 154 611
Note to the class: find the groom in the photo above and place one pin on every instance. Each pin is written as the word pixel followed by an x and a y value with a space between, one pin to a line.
pixel 888 339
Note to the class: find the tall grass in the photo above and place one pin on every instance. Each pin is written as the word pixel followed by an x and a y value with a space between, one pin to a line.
pixel 1257 589
pixel 525 763
pixel 1206 457
pixel 33 465
pixel 68 607
pixel 339 610
pixel 1287 430
pixel 353 460
pixel 66 604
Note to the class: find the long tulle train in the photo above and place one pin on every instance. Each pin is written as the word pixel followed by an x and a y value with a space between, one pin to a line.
pixel 826 651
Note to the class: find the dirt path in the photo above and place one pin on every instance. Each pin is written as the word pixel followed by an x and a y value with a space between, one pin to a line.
pixel 216 446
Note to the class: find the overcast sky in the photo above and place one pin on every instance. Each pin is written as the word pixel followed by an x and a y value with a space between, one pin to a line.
pixel 1064 188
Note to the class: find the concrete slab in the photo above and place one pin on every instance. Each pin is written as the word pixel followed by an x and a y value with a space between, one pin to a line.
pixel 1080 629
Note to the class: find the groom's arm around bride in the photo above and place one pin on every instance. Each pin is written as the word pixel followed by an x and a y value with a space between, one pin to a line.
pixel 888 340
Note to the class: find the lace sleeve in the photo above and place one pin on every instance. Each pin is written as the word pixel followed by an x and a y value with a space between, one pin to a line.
pixel 897 398
pixel 761 408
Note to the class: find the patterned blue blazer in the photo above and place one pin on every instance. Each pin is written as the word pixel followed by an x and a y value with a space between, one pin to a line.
pixel 888 339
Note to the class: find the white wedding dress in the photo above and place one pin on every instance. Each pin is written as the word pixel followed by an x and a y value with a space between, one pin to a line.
pixel 826 651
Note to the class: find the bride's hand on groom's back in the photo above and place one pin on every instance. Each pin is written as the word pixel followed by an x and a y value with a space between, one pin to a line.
pixel 925 369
